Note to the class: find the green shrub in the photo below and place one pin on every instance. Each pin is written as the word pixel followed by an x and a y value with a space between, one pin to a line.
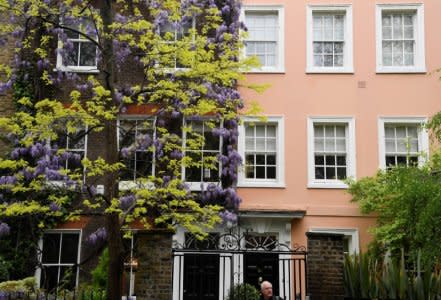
pixel 26 285
pixel 99 274
pixel 243 291
pixel 4 269
pixel 367 277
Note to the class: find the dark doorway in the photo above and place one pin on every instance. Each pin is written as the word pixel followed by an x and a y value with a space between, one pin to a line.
pixel 260 267
pixel 201 277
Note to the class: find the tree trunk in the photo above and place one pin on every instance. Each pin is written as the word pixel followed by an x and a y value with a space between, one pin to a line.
pixel 113 225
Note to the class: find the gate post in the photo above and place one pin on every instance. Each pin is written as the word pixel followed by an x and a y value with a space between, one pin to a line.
pixel 325 260
pixel 154 275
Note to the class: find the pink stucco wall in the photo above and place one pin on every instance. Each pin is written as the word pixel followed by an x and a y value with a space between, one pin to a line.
pixel 297 95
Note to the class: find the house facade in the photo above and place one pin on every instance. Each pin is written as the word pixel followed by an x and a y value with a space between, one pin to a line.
pixel 350 85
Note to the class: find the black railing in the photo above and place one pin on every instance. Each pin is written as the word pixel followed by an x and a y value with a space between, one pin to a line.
pixel 209 269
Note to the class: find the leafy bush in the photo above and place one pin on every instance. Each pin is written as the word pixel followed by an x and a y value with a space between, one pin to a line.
pixel 4 266
pixel 367 277
pixel 99 274
pixel 26 285
pixel 243 292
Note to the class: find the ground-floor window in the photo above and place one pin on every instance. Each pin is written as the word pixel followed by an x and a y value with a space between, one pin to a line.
pixel 59 260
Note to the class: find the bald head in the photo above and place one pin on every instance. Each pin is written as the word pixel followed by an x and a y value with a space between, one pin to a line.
pixel 266 288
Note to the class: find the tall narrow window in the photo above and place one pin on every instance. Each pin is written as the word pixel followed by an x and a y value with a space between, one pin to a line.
pixel 204 148
pixel 172 34
pixel 260 151
pixel 400 38
pixel 265 36
pixel 262 147
pixel 331 152
pixel 403 141
pixel 75 144
pixel 135 142
pixel 329 39
pixel 60 253
pixel 81 52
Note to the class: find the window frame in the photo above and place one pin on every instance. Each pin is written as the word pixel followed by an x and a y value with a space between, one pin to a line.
pixel 279 182
pixel 38 271
pixel 199 185
pixel 129 184
pixel 348 61
pixel 350 152
pixel 171 70
pixel 280 58
pixel 60 66
pixel 423 137
pixel 419 54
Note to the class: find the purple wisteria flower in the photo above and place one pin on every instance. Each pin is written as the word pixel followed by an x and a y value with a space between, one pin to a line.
pixel 100 235
pixel 4 229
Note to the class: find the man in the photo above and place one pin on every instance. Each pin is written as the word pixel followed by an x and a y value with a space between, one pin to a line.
pixel 266 289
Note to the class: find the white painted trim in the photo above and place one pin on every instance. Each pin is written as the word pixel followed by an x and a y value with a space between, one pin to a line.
pixel 348 64
pixel 280 65
pixel 419 59
pixel 39 255
pixel 350 148
pixel 199 185
pixel 423 137
pixel 354 241
pixel 279 182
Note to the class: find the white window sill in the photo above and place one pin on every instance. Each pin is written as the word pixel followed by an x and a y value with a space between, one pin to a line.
pixel 404 70
pixel 334 184
pixel 85 70
pixel 314 70
pixel 261 184
pixel 201 186
pixel 130 185
pixel 266 70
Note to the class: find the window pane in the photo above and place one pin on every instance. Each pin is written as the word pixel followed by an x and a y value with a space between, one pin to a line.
pixel 390 145
pixel 319 160
pixel 249 144
pixel 49 278
pixel 318 47
pixel 271 145
pixel 271 131
pixel 330 160
pixel 260 159
pixel 69 248
pixel 51 248
pixel 68 277
pixel 387 32
pixel 319 173
pixel 249 159
pixel 319 131
pixel 339 28
pixel 318 60
pixel 341 145
pixel 249 172
pixel 72 55
pixel 270 159
pixel 271 172
pixel 330 145
pixel 260 131
pixel 260 172
pixel 390 161
pixel 341 160
pixel 330 173
pixel 408 32
pixel 318 145
pixel 341 173
pixel 249 131
pixel 401 160
pixel 260 144
pixel 88 54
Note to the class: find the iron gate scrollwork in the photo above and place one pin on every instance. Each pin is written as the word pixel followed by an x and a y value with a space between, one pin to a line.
pixel 207 269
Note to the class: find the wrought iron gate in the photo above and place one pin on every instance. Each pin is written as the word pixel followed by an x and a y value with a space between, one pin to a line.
pixel 208 269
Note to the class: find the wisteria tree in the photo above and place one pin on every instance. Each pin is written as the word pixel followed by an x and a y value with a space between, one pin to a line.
pixel 78 68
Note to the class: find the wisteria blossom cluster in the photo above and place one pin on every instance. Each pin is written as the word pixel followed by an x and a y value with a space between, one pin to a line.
pixel 202 84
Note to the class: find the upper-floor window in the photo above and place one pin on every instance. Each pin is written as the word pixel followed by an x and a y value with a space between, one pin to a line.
pixel 261 146
pixel 135 137
pixel 204 148
pixel 331 152
pixel 59 259
pixel 80 52
pixel 75 145
pixel 400 38
pixel 171 34
pixel 403 141
pixel 265 36
pixel 329 39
